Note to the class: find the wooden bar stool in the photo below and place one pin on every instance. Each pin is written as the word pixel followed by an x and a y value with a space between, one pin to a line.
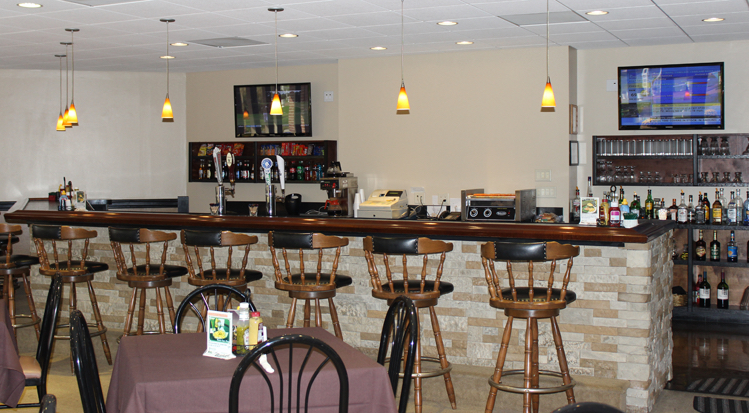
pixel 538 302
pixel 12 267
pixel 143 274
pixel 56 247
pixel 312 285
pixel 423 292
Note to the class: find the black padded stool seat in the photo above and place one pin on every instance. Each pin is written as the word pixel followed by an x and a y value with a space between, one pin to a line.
pixel 23 260
pixel 143 273
pixel 15 268
pixel 73 268
pixel 423 292
pixel 530 302
pixel 308 285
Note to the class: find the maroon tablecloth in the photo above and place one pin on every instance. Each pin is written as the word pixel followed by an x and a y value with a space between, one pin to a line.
pixel 168 373
pixel 12 380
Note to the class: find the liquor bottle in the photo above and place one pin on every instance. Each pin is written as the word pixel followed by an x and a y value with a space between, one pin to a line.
pixel 635 206
pixel 682 211
pixel 576 206
pixel 704 291
pixel 201 169
pixel 615 215
pixel 209 170
pixel 724 204
pixel 722 291
pixel 746 209
pixel 649 210
pixel 706 205
pixel 739 208
pixel 690 211
pixel 731 211
pixel 717 211
pixel 732 249
pixel 696 291
pixel 662 211
pixel 715 248
pixel 590 187
pixel 673 210
pixel 700 249
pixel 623 205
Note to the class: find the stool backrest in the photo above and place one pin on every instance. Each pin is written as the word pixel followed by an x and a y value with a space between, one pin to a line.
pixel 49 239
pixel 405 247
pixel 304 241
pixel 8 235
pixel 214 240
pixel 529 252
pixel 131 237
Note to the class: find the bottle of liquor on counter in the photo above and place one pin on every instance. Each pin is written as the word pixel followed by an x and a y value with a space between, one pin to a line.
pixel 682 211
pixel 715 248
pixel 691 218
pixel 623 205
pixel 673 210
pixel 696 291
pixel 731 212
pixel 590 187
pixel 732 249
pixel 615 215
pixel 662 211
pixel 717 211
pixel 704 291
pixel 722 293
pixel 576 206
pixel 700 249
pixel 649 207
pixel 707 206
pixel 635 206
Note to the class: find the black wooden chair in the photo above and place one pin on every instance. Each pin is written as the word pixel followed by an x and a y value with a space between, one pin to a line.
pixel 399 334
pixel 36 368
pixel 222 296
pixel 84 364
pixel 587 407
pixel 294 385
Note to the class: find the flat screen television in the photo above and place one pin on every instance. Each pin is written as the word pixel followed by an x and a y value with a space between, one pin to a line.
pixel 252 110
pixel 685 96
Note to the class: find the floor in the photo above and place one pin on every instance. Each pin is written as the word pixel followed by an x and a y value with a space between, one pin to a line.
pixel 706 352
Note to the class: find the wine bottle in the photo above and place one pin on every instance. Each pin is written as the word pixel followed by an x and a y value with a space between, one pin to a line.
pixel 706 206
pixel 722 293
pixel 700 249
pixel 649 209
pixel 696 291
pixel 704 292
pixel 717 211
pixel 732 249
pixel 715 248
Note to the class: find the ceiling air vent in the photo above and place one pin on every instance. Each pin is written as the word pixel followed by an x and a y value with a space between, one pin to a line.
pixel 540 18
pixel 95 3
pixel 227 42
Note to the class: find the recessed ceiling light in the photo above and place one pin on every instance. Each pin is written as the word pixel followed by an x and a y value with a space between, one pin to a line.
pixel 167 57
pixel 447 23
pixel 29 5
pixel 713 19
pixel 288 35
pixel 464 42
pixel 378 48
pixel 597 13
pixel 179 44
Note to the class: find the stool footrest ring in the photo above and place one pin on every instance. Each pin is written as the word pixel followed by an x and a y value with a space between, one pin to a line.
pixel 94 331
pixel 29 324
pixel 429 373
pixel 540 390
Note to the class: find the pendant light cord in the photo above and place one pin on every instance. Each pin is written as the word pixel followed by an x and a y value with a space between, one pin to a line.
pixel 66 74
pixel 72 53
pixel 547 41
pixel 167 58
pixel 275 45
pixel 60 58
pixel 402 82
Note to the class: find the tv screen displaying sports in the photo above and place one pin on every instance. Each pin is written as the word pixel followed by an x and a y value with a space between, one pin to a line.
pixel 686 96
pixel 252 116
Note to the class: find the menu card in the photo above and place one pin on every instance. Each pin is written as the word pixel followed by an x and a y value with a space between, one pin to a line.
pixel 589 210
pixel 218 328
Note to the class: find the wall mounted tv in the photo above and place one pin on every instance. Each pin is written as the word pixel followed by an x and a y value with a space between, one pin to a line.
pixel 686 96
pixel 252 110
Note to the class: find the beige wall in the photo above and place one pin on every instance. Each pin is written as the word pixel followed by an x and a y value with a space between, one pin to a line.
pixel 121 149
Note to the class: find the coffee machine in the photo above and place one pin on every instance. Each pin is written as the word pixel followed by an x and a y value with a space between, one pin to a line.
pixel 341 188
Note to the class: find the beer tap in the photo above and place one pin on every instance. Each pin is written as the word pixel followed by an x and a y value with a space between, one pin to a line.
pixel 221 191
pixel 281 174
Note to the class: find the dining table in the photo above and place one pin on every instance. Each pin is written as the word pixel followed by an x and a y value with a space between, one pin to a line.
pixel 12 379
pixel 168 373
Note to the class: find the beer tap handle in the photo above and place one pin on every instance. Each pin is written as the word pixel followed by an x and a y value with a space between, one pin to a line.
pixel 281 174
pixel 230 165
pixel 217 164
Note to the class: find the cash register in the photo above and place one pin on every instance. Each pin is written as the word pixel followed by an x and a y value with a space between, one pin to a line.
pixel 385 203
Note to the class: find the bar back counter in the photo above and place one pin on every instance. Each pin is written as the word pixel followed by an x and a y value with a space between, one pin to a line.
pixel 619 329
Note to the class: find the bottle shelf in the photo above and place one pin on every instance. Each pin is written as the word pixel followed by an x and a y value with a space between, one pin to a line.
pixel 713 227
pixel 732 315
pixel 637 157
pixel 713 263
pixel 722 157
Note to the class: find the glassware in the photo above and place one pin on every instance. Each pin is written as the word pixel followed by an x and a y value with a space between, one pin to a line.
pixel 737 178
pixel 253 209
pixel 703 149
pixel 746 151
pixel 724 148
pixel 714 148
pixel 632 174
pixel 703 177
pixel 642 177
pixel 649 178
pixel 726 177
pixel 676 178
pixel 716 178
pixel 657 179
pixel 617 175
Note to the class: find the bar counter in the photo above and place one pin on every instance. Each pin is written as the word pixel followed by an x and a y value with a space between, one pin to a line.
pixel 618 329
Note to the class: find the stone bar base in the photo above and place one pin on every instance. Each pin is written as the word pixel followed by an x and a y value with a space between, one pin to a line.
pixel 619 328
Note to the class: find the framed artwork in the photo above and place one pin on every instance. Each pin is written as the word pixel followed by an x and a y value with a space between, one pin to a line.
pixel 573 120
pixel 574 153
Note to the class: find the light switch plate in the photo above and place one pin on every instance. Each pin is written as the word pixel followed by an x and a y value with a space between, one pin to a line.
pixel 612 85
pixel 328 96
pixel 546 192
pixel 543 175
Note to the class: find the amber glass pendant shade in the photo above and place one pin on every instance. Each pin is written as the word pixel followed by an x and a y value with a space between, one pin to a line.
pixel 548 100
pixel 166 111
pixel 403 106
pixel 66 118
pixel 60 125
pixel 72 115
pixel 275 106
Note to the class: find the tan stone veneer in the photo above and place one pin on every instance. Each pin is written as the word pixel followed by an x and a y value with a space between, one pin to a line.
pixel 619 328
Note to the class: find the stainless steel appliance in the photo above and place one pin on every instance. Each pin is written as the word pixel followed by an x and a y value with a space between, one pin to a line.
pixel 341 189
pixel 518 207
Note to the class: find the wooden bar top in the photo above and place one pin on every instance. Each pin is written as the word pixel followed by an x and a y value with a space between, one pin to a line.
pixel 448 230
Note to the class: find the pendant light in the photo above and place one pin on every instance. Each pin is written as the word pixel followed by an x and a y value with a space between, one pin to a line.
pixel 60 126
pixel 72 114
pixel 403 107
pixel 65 116
pixel 166 112
pixel 275 106
pixel 548 100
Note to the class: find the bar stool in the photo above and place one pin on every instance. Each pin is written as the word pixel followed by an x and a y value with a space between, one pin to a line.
pixel 12 267
pixel 143 276
pixel 55 248
pixel 423 292
pixel 528 303
pixel 309 286
pixel 213 240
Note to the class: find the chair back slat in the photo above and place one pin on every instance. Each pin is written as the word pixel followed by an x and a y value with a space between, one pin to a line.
pixel 302 242
pixel 73 241
pixel 201 249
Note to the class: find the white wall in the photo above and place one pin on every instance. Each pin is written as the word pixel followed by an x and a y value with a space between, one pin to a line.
pixel 120 149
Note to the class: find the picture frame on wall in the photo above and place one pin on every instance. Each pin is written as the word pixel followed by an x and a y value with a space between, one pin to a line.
pixel 574 153
pixel 574 116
